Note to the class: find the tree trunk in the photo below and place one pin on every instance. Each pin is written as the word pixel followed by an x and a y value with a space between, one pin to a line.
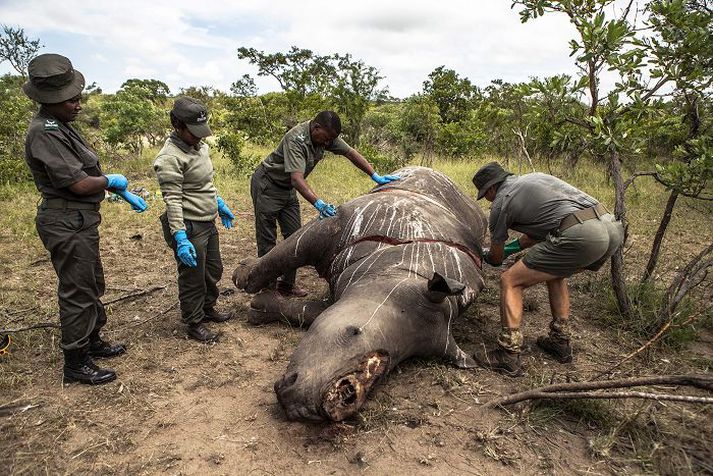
pixel 658 238
pixel 617 260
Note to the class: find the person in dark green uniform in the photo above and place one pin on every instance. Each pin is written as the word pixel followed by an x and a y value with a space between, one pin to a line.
pixel 284 171
pixel 67 173
pixel 185 175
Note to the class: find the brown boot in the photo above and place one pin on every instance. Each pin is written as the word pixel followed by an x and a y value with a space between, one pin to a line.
pixel 500 360
pixel 557 348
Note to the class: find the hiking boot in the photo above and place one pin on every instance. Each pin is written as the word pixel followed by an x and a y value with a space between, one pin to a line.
pixel 100 349
pixel 79 367
pixel 290 290
pixel 215 316
pixel 201 333
pixel 500 360
pixel 557 348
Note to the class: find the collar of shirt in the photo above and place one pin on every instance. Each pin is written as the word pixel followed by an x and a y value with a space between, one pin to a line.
pixel 178 142
pixel 504 188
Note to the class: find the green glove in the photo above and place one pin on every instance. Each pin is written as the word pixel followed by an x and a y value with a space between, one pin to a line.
pixel 511 248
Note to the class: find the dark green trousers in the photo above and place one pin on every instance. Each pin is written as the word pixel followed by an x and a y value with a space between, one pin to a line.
pixel 72 238
pixel 273 204
pixel 197 287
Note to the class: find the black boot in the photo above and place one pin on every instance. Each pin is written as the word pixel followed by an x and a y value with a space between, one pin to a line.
pixel 79 367
pixel 99 348
pixel 215 316
pixel 201 333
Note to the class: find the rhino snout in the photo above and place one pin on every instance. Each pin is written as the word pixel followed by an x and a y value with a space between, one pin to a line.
pixel 345 396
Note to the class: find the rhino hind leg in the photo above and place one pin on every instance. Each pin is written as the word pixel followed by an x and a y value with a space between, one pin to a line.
pixel 346 395
pixel 270 306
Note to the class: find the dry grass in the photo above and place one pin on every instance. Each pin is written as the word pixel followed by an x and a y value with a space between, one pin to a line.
pixel 180 407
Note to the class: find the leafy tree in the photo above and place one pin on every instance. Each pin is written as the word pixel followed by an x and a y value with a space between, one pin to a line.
pixel 17 111
pixel 453 95
pixel 420 123
pixel 17 49
pixel 136 114
pixel 676 51
pixel 313 82
pixel 355 89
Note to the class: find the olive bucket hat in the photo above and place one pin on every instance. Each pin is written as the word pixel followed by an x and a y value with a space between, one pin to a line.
pixel 193 114
pixel 487 176
pixel 52 79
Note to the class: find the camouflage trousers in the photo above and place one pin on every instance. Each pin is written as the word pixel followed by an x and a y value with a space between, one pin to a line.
pixel 512 339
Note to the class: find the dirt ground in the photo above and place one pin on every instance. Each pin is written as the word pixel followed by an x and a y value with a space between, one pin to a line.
pixel 179 407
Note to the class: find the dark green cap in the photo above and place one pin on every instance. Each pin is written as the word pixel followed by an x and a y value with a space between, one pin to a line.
pixel 52 79
pixel 487 176
pixel 193 114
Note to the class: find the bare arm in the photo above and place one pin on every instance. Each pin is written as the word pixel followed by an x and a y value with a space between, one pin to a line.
pixel 495 256
pixel 526 241
pixel 300 184
pixel 360 162
pixel 89 185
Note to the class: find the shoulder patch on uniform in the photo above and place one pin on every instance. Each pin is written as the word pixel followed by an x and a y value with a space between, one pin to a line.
pixel 300 137
pixel 51 125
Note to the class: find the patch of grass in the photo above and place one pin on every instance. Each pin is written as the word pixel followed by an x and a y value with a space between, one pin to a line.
pixel 644 320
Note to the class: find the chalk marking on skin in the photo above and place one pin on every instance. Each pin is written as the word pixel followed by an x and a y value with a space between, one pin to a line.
pixel 450 317
pixel 304 231
pixel 382 303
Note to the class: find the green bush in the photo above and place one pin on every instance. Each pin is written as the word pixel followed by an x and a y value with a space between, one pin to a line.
pixel 16 114
pixel 232 145
pixel 384 159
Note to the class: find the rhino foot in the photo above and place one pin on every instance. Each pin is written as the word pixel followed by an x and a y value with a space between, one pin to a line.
pixel 241 274
pixel 345 396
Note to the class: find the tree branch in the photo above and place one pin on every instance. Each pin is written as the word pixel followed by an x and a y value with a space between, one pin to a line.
pixel 135 295
pixel 35 326
pixel 600 395
pixel 699 381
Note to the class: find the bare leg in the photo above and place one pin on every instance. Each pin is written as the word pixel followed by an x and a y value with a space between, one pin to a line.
pixel 512 283
pixel 559 298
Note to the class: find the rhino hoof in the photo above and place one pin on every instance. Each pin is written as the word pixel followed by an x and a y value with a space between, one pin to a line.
pixel 241 275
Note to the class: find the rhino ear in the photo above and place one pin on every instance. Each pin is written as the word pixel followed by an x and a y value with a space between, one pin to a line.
pixel 439 287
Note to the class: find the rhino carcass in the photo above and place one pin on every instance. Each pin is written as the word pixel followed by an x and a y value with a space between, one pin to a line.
pixel 402 263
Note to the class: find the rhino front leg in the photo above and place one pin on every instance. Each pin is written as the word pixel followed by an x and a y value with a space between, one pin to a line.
pixel 310 245
pixel 270 306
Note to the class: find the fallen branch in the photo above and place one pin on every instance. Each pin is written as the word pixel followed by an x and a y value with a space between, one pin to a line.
pixel 574 389
pixel 7 410
pixel 35 326
pixel 135 295
pixel 648 344
pixel 134 324
pixel 600 395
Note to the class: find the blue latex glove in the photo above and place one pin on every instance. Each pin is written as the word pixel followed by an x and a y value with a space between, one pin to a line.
pixel 184 249
pixel 326 210
pixel 385 179
pixel 226 216
pixel 137 203
pixel 116 182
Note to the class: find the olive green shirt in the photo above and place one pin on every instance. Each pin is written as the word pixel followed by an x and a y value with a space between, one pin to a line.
pixel 296 153
pixel 185 175
pixel 59 157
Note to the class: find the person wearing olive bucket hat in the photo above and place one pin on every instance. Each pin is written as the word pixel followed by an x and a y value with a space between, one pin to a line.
pixel 67 173
pixel 566 231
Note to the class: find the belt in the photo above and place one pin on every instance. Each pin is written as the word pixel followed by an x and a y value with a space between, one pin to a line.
pixel 62 204
pixel 582 215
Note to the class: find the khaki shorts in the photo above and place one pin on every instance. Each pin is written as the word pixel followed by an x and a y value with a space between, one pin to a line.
pixel 587 245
